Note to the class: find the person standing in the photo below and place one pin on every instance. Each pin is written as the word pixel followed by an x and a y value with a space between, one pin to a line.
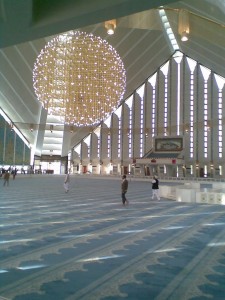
pixel 66 182
pixel 155 188
pixel 124 188
pixel 14 172
pixel 6 178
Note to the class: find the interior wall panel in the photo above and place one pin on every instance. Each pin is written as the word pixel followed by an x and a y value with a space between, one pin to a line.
pixel 136 126
pixel 160 104
pixel 200 117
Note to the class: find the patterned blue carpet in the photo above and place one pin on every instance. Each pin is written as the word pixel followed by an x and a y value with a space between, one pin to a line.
pixel 86 245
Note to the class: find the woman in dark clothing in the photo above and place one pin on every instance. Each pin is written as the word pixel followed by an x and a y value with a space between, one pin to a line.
pixel 155 188
pixel 124 188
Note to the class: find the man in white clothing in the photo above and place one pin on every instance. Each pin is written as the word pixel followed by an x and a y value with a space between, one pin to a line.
pixel 66 182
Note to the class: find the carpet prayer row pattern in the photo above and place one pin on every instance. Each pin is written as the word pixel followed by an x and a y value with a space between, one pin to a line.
pixel 85 245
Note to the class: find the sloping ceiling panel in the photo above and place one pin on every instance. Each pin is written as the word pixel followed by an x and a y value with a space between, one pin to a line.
pixel 26 20
pixel 206 42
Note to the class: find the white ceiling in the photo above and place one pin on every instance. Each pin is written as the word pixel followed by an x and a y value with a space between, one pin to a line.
pixel 139 39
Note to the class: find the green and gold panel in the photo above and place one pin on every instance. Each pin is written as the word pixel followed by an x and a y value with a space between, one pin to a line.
pixel 27 155
pixel 19 149
pixel 2 131
pixel 9 146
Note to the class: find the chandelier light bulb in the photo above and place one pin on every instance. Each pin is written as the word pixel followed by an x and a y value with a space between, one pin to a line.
pixel 110 29
pixel 80 78
pixel 110 26
pixel 184 36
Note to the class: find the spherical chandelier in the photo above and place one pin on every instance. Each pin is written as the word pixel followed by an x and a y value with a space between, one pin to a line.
pixel 79 77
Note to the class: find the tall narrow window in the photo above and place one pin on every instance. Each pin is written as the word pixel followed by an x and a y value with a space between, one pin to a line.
pixel 118 112
pixel 108 143
pixel 119 137
pixel 220 82
pixel 192 65
pixel 77 149
pixel 152 81
pixel 178 58
pixel 220 125
pixel 129 103
pixel 97 131
pixel 165 69
pixel 87 141
pixel 168 29
pixel 99 142
pixel 205 72
pixel 141 92
pixel 108 124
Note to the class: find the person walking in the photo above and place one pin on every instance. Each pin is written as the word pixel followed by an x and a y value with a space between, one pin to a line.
pixel 14 172
pixel 124 188
pixel 66 182
pixel 6 178
pixel 155 188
